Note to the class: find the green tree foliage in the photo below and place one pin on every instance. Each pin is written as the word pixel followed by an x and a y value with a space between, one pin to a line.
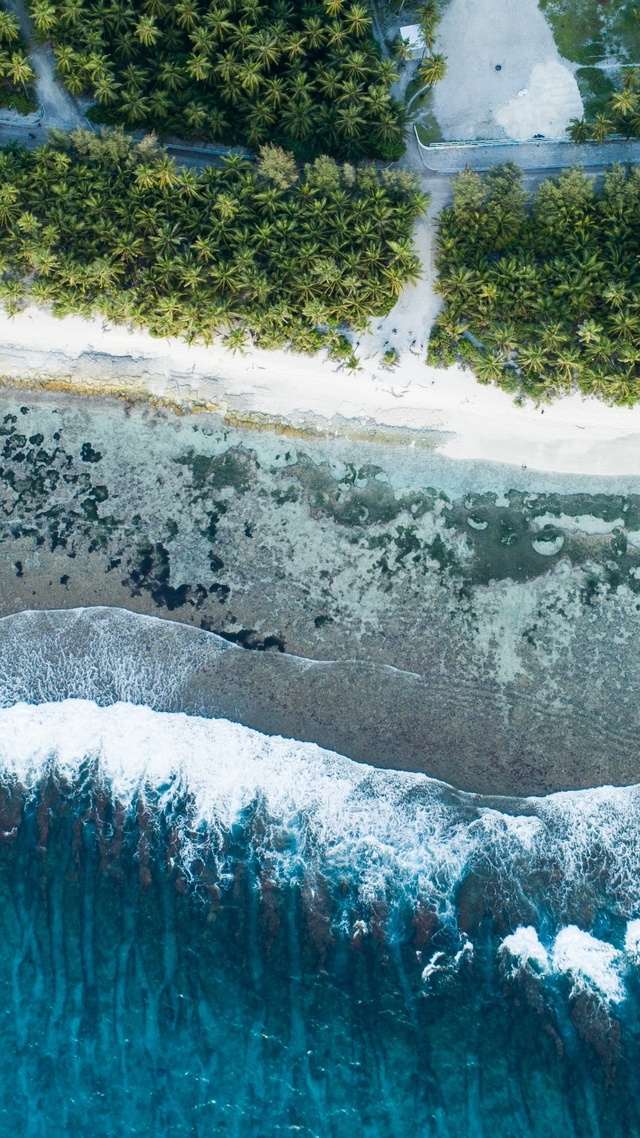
pixel 432 69
pixel 622 114
pixel 102 224
pixel 16 73
pixel 542 295
pixel 304 74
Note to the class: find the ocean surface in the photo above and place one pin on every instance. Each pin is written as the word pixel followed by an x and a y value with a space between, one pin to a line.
pixel 207 930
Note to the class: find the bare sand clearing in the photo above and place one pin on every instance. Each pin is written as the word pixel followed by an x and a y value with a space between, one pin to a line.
pixel 534 92
pixel 572 436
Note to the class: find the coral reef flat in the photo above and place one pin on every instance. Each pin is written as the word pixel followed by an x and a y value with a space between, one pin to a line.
pixel 477 622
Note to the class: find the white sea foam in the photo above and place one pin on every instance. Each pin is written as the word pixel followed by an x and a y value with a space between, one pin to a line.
pixel 395 834
pixel 524 947
pixel 591 963
pixel 632 941
pixel 360 818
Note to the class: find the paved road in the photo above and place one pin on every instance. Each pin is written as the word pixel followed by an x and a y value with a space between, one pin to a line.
pixel 530 156
pixel 57 107
pixel 33 134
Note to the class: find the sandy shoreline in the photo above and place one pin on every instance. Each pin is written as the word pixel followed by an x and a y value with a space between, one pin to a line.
pixel 572 435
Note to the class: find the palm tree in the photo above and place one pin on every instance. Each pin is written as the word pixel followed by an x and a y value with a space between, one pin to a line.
pixel 533 359
pixel 378 100
pixel 265 48
pixel 615 294
pixel 217 124
pixel 387 71
pixel 337 34
pixel 293 46
pixel 263 115
pixel 567 364
pixel 128 247
pixel 147 31
pixel 427 11
pixel 624 324
pixel 106 89
pixel 134 106
pixel 195 115
pixel 236 340
pixel 203 39
pixel 65 56
pixel 44 16
pixel 187 14
pixel 198 67
pixel 217 24
pixel 553 337
pixel 315 31
pixel 589 332
pixel 71 12
pixel 134 77
pixel 388 128
pixel 349 121
pixel 328 81
pixel 171 75
pixel 488 369
pixel 433 69
pixel 357 20
pixel 250 76
pixel 579 130
pixel 297 120
pixel 600 128
pixel 19 70
pixel 355 63
pixel 159 103
pixel 227 67
pixel 505 337
pixel 624 102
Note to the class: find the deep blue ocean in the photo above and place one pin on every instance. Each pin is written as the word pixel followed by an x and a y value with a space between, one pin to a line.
pixel 205 930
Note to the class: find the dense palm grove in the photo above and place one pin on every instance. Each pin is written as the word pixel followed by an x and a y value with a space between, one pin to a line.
pixel 542 295
pixel 621 115
pixel 16 73
pixel 303 73
pixel 106 225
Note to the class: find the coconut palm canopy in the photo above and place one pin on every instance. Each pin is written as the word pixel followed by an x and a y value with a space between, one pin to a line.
pixel 16 73
pixel 106 225
pixel 620 116
pixel 542 294
pixel 305 74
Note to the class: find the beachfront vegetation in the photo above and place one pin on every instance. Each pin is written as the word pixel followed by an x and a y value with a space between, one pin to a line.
pixel 587 31
pixel 16 73
pixel 542 294
pixel 304 74
pixel 620 113
pixel 95 224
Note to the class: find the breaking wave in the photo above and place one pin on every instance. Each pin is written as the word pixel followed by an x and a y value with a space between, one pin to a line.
pixel 207 929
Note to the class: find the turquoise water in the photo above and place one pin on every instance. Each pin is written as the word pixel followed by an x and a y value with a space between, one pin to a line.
pixel 204 930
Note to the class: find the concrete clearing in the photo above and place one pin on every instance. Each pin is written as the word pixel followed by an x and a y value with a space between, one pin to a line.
pixel 505 75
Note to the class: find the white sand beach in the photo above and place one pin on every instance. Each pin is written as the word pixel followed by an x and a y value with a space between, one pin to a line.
pixel 572 435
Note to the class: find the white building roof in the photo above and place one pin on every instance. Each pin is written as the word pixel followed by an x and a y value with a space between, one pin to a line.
pixel 413 33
